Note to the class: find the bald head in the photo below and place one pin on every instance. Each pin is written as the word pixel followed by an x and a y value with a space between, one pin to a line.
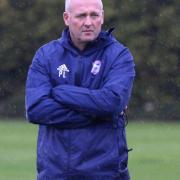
pixel 68 4
pixel 84 19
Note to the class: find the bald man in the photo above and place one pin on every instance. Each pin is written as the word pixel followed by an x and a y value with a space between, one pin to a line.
pixel 77 89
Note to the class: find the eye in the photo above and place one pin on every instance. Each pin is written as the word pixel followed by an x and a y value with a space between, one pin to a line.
pixel 81 16
pixel 94 15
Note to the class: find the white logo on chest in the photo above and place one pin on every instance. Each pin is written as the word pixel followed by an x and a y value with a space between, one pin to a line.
pixel 62 70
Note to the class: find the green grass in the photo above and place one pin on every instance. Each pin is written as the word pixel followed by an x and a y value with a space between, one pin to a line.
pixel 17 150
pixel 155 155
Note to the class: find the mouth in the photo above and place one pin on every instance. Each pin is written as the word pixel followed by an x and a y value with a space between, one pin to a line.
pixel 87 31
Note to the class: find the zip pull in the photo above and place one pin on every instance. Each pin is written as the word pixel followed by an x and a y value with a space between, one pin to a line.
pixel 110 30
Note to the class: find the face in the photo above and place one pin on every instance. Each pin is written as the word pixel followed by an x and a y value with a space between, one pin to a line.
pixel 84 19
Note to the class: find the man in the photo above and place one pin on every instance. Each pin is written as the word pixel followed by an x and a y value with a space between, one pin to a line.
pixel 77 88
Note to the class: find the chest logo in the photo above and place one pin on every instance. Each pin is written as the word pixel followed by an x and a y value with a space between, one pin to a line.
pixel 96 67
pixel 62 70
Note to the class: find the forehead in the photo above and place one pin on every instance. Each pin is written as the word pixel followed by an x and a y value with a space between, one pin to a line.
pixel 85 6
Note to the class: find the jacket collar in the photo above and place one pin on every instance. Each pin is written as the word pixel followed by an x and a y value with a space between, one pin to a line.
pixel 104 39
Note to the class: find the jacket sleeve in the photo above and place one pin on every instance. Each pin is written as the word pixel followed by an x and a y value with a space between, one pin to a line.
pixel 41 108
pixel 112 98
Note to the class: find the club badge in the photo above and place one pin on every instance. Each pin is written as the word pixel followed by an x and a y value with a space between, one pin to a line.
pixel 96 67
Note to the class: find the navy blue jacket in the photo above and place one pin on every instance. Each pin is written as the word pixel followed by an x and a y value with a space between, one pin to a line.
pixel 77 98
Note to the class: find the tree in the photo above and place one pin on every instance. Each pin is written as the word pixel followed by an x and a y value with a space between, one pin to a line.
pixel 24 27
pixel 149 28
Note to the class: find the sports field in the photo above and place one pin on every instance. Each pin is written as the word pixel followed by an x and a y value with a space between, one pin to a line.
pixel 155 155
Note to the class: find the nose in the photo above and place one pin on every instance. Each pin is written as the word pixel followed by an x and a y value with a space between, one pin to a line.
pixel 88 21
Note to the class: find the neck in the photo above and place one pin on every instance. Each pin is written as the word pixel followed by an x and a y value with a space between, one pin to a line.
pixel 80 45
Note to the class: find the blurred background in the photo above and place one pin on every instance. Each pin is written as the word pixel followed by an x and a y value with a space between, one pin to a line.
pixel 151 29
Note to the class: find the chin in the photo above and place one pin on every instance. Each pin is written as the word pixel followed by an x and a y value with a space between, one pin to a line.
pixel 88 39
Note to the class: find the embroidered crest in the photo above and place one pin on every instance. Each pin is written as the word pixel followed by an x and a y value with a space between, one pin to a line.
pixel 96 67
pixel 62 70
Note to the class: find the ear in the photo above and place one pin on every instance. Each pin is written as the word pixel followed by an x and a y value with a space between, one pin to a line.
pixel 66 18
pixel 102 21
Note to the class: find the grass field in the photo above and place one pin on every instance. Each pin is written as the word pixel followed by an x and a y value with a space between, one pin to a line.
pixel 155 155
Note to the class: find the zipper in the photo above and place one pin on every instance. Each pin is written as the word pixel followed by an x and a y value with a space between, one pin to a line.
pixel 68 167
pixel 79 71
